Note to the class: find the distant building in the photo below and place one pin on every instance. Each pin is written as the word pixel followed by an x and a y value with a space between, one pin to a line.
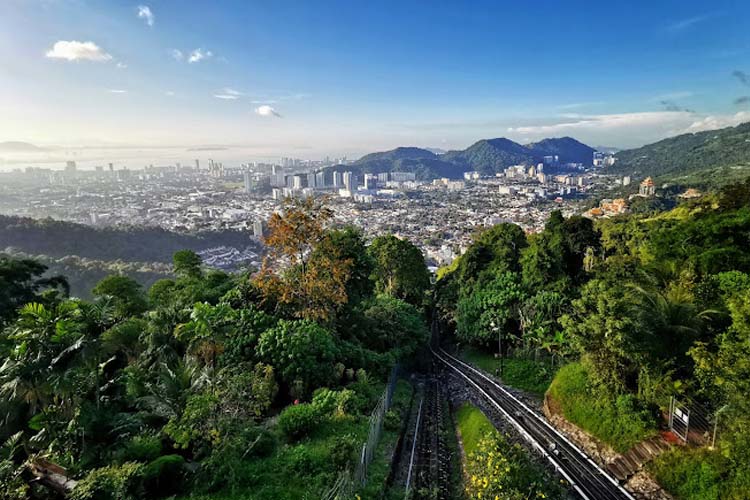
pixel 278 179
pixel 258 229
pixel 691 193
pixel 647 187
pixel 403 176
pixel 337 180
pixel 249 182
pixel 471 176
pixel 70 166
pixel 626 180
pixel 350 181
pixel 299 181
pixel 371 182
pixel 607 208
pixel 551 160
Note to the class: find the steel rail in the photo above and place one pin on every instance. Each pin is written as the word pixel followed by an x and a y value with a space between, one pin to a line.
pixel 582 473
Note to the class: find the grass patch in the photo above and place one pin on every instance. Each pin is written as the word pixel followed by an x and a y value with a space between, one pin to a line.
pixel 619 420
pixel 525 374
pixel 473 426
pixel 497 468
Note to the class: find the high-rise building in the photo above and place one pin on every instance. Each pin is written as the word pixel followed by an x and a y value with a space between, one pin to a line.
pixel 403 176
pixel 249 181
pixel 278 179
pixel 371 182
pixel 337 180
pixel 311 180
pixel 70 166
pixel 299 181
pixel 350 181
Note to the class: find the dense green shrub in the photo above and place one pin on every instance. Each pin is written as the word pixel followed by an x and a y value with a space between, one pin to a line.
pixel 297 421
pixel 619 420
pixel 336 403
pixel 392 420
pixel 691 474
pixel 115 482
pixel 305 461
pixel 301 352
pixel 344 451
pixel 140 448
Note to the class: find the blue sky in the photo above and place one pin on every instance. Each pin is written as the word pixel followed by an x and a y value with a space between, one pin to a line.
pixel 348 77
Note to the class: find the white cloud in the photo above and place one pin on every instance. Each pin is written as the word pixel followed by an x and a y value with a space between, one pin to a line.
pixel 144 12
pixel 228 94
pixel 613 121
pixel 577 105
pixel 266 101
pixel 77 51
pixel 199 55
pixel 177 54
pixel 683 24
pixel 117 91
pixel 121 65
pixel 267 111
pixel 169 93
pixel 713 122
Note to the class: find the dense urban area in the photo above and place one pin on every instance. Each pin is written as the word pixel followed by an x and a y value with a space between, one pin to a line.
pixel 438 215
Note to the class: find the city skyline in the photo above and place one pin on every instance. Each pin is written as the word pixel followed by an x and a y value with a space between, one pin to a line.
pixel 341 79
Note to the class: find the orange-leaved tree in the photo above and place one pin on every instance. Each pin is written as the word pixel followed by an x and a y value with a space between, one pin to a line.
pixel 304 271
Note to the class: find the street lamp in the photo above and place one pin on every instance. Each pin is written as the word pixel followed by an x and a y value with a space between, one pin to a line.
pixel 499 344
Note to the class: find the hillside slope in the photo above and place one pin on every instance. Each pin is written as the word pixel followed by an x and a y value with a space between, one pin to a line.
pixel 691 157
pixel 568 149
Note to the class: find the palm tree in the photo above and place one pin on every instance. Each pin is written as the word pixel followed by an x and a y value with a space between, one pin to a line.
pixel 669 320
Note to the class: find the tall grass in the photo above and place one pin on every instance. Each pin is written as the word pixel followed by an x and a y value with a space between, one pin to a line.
pixel 619 420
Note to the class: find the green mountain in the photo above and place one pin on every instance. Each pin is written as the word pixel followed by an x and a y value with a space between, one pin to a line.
pixel 402 153
pixel 568 149
pixel 705 158
pixel 425 164
pixel 489 156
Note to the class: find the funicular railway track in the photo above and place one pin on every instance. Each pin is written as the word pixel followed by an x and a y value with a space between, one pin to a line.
pixel 430 460
pixel 585 477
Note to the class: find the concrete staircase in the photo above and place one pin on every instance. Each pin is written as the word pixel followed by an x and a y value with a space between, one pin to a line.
pixel 636 457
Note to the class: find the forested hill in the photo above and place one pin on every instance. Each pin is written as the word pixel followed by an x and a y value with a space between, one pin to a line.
pixel 713 156
pixel 487 156
pixel 491 155
pixel 59 239
pixel 568 149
